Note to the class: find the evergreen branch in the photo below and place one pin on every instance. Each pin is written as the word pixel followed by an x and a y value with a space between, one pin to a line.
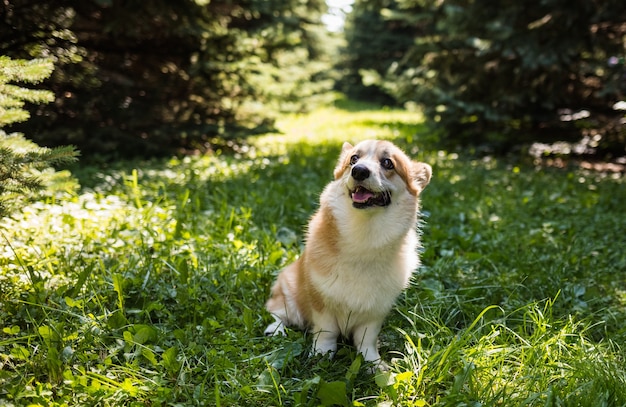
pixel 29 95
pixel 21 160
pixel 20 70
pixel 13 115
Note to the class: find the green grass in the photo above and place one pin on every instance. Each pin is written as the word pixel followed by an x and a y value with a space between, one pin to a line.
pixel 147 287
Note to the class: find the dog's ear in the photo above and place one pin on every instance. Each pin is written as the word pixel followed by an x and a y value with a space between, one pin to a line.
pixel 342 163
pixel 421 173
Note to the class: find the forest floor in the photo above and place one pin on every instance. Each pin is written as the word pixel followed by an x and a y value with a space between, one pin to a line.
pixel 147 287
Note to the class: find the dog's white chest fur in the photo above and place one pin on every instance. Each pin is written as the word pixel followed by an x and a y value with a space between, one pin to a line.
pixel 377 254
pixel 357 289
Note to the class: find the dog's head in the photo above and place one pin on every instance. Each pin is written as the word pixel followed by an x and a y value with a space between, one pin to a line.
pixel 375 171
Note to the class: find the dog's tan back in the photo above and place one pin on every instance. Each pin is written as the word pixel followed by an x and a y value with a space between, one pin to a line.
pixel 361 249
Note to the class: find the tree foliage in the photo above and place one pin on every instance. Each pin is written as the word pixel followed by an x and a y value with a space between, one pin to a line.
pixel 143 77
pixel 515 71
pixel 22 162
pixel 373 43
pixel 13 97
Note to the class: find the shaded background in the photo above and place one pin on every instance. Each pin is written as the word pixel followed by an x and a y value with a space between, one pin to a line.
pixel 148 78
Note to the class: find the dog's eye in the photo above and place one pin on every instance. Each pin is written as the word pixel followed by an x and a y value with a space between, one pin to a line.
pixel 354 159
pixel 386 163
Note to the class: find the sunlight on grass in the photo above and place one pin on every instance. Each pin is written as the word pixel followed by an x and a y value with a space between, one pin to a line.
pixel 525 357
pixel 333 126
pixel 148 286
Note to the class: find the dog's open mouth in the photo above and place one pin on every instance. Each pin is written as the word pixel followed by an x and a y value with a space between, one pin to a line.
pixel 364 198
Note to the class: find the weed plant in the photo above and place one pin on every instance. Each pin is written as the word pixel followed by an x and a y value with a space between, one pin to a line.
pixel 148 286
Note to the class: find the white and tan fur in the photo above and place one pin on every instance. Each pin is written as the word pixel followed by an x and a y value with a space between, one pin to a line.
pixel 361 249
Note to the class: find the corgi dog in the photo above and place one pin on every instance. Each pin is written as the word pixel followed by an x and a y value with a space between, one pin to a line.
pixel 361 249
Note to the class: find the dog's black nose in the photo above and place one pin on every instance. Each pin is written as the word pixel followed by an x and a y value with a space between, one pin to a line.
pixel 360 172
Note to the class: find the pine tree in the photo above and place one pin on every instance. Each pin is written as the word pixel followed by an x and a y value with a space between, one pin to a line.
pixel 158 77
pixel 23 162
pixel 374 41
pixel 496 76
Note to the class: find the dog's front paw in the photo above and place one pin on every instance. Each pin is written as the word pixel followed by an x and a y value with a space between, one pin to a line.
pixel 329 350
pixel 381 365
pixel 377 367
pixel 275 328
pixel 325 344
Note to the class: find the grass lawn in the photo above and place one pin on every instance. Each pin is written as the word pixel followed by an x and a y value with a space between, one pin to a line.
pixel 147 287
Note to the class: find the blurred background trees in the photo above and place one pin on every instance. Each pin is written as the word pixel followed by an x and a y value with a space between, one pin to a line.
pixel 374 42
pixel 147 77
pixel 497 75
pixel 151 77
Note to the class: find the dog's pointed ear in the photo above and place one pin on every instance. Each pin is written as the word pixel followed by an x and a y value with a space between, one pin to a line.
pixel 421 173
pixel 341 163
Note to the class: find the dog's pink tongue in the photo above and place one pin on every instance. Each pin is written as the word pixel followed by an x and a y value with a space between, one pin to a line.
pixel 361 195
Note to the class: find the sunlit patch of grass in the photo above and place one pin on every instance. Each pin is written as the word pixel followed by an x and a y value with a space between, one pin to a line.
pixel 147 287
pixel 526 357
pixel 331 126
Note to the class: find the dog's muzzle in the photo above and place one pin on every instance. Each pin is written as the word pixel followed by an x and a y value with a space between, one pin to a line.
pixel 361 196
